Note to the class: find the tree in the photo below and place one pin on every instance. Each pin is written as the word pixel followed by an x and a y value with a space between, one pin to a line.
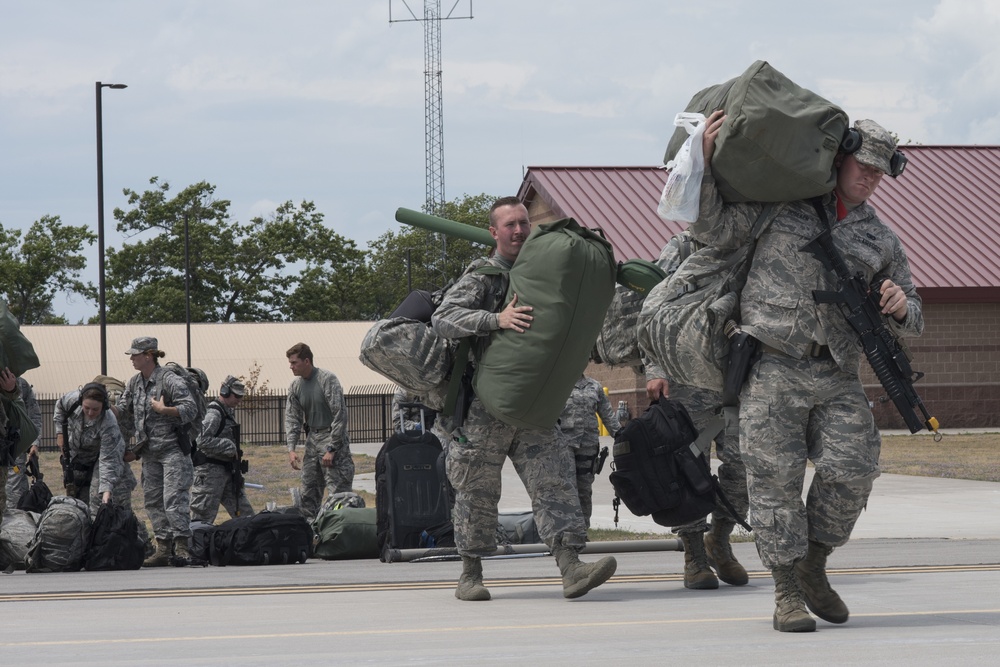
pixel 48 261
pixel 412 257
pixel 241 272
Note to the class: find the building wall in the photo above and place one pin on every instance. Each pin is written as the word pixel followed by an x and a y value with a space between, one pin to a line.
pixel 959 353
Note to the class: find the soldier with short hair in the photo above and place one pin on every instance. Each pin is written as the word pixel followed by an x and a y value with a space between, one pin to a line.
pixel 156 405
pixel 217 456
pixel 476 454
pixel 803 400
pixel 316 405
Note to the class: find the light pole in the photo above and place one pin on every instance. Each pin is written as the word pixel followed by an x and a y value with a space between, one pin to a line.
pixel 100 223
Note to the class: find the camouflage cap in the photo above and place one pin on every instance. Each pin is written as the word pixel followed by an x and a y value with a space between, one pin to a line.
pixel 877 146
pixel 143 344
pixel 234 385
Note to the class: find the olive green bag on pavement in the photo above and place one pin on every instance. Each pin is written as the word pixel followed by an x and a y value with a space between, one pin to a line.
pixel 566 273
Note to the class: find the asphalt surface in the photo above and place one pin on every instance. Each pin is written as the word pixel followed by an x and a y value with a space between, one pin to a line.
pixel 921 578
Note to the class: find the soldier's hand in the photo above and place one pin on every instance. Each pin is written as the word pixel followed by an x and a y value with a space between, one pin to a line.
pixel 8 381
pixel 893 301
pixel 515 317
pixel 106 498
pixel 656 388
pixel 712 126
pixel 327 460
pixel 293 459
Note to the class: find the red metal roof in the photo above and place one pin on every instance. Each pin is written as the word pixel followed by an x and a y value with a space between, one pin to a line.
pixel 945 209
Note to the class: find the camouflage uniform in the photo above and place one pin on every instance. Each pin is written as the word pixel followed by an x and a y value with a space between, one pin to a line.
pixel 578 425
pixel 479 448
pixel 340 476
pixel 96 450
pixel 167 472
pixel 17 482
pixel 409 419
pixel 14 396
pixel 804 399
pixel 213 472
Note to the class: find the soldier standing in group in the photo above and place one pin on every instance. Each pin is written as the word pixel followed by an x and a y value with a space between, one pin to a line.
pixel 218 457
pixel 578 424
pixel 156 405
pixel 17 480
pixel 804 400
pixel 91 444
pixel 474 307
pixel 316 405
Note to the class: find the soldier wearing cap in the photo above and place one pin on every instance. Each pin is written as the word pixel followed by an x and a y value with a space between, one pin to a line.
pixel 804 399
pixel 155 406
pixel 218 456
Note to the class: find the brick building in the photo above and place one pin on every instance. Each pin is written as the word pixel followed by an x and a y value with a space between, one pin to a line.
pixel 946 211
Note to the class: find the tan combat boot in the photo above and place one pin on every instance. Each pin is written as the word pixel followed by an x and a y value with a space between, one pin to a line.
pixel 790 613
pixel 697 574
pixel 820 598
pixel 579 578
pixel 160 557
pixel 470 584
pixel 720 554
pixel 182 556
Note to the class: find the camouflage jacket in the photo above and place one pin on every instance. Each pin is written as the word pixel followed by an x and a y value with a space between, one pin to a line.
pixel 334 396
pixel 216 440
pixel 87 442
pixel 136 414
pixel 777 304
pixel 680 246
pixel 472 306
pixel 578 420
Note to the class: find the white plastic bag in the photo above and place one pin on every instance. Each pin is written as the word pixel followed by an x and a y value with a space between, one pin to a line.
pixel 682 193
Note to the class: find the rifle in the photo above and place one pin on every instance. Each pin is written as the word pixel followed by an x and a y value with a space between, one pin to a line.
pixel 859 302
pixel 239 468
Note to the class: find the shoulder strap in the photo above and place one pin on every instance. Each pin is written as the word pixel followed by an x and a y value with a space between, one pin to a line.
pixel 218 407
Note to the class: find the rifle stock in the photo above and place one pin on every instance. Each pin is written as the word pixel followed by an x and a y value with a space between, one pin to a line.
pixel 886 354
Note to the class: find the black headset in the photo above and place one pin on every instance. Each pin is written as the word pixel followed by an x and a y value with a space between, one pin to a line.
pixel 105 402
pixel 852 142
pixel 225 390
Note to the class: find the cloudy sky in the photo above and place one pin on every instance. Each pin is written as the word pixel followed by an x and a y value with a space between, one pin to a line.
pixel 323 100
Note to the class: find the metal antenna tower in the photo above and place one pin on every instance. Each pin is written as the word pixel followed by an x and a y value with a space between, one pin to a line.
pixel 433 106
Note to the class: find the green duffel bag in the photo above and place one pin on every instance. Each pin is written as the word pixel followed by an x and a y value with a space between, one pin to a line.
pixel 779 139
pixel 346 533
pixel 567 274
pixel 16 352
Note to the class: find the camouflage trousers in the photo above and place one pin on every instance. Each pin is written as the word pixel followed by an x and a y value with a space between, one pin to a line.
pixel 166 489
pixel 121 493
pixel 213 486
pixel 704 406
pixel 337 478
pixel 798 410
pixel 16 484
pixel 585 457
pixel 3 489
pixel 476 456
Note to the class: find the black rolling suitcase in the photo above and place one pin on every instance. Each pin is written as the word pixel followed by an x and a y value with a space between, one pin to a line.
pixel 411 500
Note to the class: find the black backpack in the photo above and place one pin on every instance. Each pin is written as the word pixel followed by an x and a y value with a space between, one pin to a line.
pixel 658 469
pixel 268 538
pixel 38 495
pixel 114 543
pixel 411 499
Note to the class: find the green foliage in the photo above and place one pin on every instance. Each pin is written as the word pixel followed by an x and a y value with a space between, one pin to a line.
pixel 412 257
pixel 48 261
pixel 266 270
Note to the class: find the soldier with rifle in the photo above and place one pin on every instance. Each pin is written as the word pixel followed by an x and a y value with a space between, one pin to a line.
pixel 218 459
pixel 804 400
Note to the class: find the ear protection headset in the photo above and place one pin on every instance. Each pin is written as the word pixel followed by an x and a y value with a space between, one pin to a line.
pixel 852 142
pixel 100 388
pixel 225 390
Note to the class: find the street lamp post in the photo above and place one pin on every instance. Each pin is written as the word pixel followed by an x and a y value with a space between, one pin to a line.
pixel 100 223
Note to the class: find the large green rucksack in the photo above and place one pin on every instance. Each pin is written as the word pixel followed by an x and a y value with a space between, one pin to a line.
pixel 779 139
pixel 567 274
